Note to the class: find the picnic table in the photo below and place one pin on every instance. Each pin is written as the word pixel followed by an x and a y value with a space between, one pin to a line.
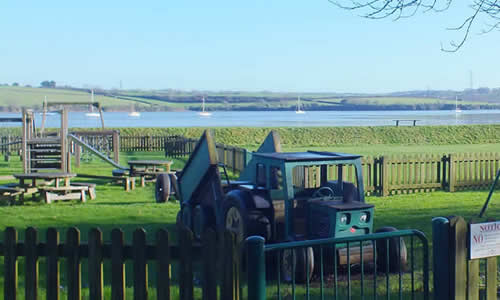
pixel 148 169
pixel 52 186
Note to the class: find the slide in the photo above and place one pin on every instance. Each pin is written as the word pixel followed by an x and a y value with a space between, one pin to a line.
pixel 94 151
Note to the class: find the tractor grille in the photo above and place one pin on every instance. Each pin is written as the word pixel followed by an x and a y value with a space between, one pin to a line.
pixel 320 224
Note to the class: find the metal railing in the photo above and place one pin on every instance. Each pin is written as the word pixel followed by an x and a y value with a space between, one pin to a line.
pixel 377 277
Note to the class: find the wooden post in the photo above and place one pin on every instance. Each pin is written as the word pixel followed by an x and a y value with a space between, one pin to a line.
pixel 10 263
pixel 53 282
pixel 140 265
pixel 116 146
pixel 117 266
pixel 163 265
pixel 186 264
pixel 78 152
pixel 384 174
pixel 209 244
pixel 24 140
pixel 451 173
pixel 64 136
pixel 458 257
pixel 31 264
pixel 73 265
pixel 95 264
pixel 491 278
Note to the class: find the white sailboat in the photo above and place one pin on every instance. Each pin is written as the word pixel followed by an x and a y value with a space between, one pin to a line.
pixel 134 113
pixel 299 110
pixel 92 114
pixel 204 113
pixel 457 109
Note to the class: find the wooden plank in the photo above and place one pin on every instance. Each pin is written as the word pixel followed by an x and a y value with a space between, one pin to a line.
pixel 95 264
pixel 117 266
pixel 53 283
pixel 451 173
pixel 491 278
pixel 186 264
pixel 458 252
pixel 163 265
pixel 473 279
pixel 140 265
pixel 209 244
pixel 31 264
pixel 73 271
pixel 227 287
pixel 10 263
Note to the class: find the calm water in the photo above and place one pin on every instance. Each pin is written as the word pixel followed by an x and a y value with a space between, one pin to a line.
pixel 273 118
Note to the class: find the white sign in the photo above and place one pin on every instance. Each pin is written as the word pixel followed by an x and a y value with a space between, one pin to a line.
pixel 484 240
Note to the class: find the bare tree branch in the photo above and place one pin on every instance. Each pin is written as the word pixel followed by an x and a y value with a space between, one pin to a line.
pixel 397 9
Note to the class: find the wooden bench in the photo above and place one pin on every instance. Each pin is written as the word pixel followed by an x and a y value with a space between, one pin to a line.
pixel 128 181
pixel 411 120
pixel 10 191
pixel 51 193
pixel 90 188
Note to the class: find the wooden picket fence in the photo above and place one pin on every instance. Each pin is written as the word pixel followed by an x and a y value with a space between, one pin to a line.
pixel 217 254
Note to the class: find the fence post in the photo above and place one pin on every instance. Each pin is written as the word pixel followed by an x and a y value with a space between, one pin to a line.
pixel 73 266
pixel 10 263
pixel 458 258
pixel 53 282
pixel 140 264
pixel 186 263
pixel 441 257
pixel 451 173
pixel 384 174
pixel 95 258
pixel 256 268
pixel 31 263
pixel 209 243
pixel 116 146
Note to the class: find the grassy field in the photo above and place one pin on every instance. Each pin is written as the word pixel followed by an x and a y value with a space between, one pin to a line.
pixel 34 97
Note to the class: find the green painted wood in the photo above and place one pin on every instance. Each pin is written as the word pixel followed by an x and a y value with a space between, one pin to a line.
pixel 31 264
pixel 95 264
pixel 117 265
pixel 473 279
pixel 10 263
pixel 209 244
pixel 140 265
pixel 491 278
pixel 163 265
pixel 73 266
pixel 186 263
pixel 53 282
pixel 458 254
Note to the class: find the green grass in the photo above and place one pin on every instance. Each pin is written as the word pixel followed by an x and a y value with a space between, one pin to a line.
pixel 34 97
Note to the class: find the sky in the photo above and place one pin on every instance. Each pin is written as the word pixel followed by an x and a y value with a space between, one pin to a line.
pixel 227 45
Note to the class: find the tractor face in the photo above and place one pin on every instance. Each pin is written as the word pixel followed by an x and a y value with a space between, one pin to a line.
pixel 328 219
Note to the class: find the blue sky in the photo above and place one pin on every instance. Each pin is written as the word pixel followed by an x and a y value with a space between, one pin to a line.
pixel 274 45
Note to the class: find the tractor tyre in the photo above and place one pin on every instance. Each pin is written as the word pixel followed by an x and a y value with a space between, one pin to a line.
pixel 236 218
pixel 302 259
pixel 397 252
pixel 162 188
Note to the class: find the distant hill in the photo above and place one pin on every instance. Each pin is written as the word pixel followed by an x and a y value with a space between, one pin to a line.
pixel 13 98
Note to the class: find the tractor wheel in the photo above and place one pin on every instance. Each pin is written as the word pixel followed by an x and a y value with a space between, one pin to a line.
pixel 302 259
pixel 162 188
pixel 397 252
pixel 236 218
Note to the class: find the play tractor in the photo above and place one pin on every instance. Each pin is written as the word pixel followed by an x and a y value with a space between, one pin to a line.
pixel 281 196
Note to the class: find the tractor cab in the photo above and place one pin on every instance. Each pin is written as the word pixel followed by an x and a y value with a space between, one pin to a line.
pixel 313 194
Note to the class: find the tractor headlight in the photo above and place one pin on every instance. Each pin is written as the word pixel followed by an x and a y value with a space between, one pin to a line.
pixel 363 218
pixel 343 219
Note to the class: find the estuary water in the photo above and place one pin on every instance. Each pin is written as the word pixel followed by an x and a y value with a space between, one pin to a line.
pixel 272 118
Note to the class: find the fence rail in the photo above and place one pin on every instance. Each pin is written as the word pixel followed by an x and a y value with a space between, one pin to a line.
pixel 378 273
pixel 161 253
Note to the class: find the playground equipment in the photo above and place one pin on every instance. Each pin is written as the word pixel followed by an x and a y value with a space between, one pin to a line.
pixel 270 199
pixel 492 189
